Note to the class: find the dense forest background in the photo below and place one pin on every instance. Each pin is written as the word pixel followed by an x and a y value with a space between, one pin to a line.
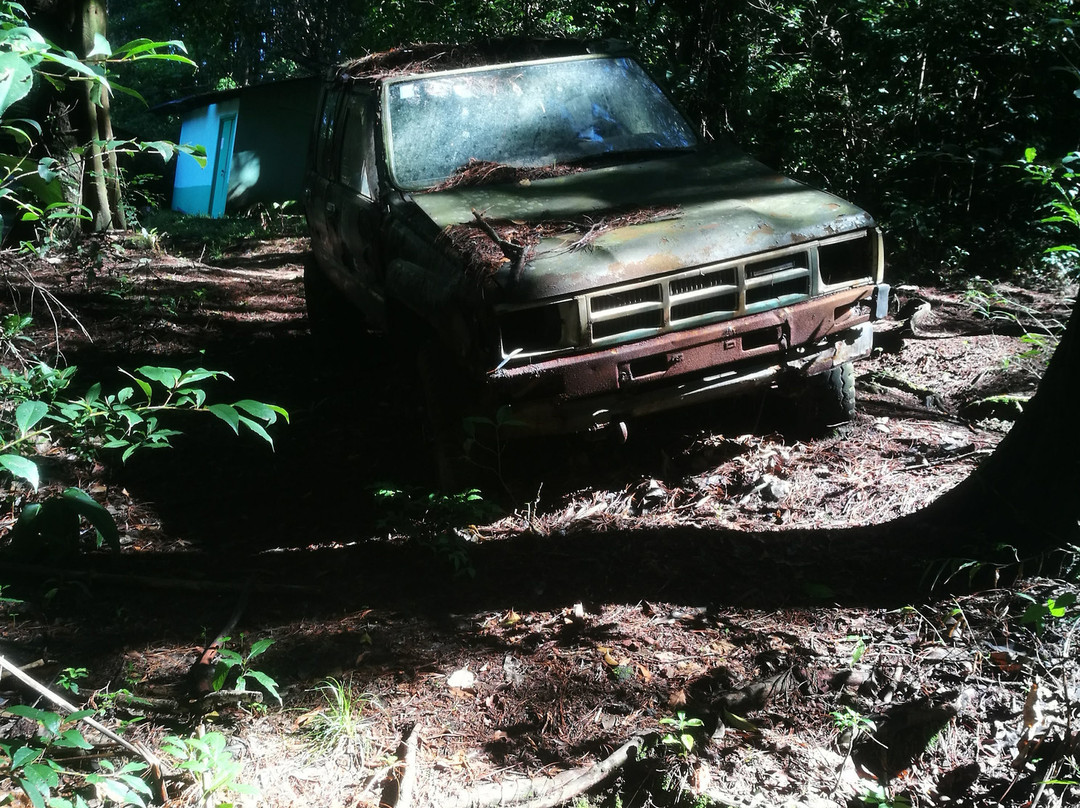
pixel 917 111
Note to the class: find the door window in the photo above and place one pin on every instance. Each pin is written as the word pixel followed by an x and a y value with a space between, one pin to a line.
pixel 358 146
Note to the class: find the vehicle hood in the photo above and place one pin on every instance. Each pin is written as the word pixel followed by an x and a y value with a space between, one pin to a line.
pixel 692 210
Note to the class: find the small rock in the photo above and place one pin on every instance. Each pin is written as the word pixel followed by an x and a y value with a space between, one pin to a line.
pixel 462 679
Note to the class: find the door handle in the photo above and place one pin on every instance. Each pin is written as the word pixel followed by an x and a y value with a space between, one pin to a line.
pixel 331 207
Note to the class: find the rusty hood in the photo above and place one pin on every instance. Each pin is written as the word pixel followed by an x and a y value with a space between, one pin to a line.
pixel 710 206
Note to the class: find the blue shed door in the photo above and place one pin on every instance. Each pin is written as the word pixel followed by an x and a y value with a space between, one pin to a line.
pixel 222 162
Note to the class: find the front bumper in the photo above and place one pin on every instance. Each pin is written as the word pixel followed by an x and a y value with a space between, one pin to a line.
pixel 594 390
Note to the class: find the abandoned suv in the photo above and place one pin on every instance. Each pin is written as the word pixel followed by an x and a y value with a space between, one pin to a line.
pixel 545 226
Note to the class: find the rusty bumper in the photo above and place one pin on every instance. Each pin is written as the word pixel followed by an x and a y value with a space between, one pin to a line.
pixel 592 390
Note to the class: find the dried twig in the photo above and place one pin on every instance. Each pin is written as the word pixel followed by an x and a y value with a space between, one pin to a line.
pixel 56 700
pixel 548 792
pixel 514 252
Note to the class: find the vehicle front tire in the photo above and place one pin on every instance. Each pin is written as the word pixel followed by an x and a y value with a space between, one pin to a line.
pixel 834 395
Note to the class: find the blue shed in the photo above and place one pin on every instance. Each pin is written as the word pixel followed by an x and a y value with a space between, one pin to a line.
pixel 256 141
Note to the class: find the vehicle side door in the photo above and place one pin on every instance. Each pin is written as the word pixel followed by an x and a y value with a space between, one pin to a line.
pixel 354 195
pixel 318 205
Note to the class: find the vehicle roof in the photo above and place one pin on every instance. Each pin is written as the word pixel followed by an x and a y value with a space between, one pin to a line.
pixel 432 57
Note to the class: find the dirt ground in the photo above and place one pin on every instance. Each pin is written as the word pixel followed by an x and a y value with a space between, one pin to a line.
pixel 602 595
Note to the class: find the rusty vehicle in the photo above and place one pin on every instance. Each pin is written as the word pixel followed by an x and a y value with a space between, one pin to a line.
pixel 541 222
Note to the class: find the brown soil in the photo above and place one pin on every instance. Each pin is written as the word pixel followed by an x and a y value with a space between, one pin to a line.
pixel 614 592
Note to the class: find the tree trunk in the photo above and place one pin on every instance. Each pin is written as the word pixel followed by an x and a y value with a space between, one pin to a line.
pixel 103 192
pixel 1027 493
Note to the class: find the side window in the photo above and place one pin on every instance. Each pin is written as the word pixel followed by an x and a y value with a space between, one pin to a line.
pixel 324 144
pixel 358 146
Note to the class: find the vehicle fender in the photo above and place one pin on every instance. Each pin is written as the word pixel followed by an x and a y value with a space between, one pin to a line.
pixel 427 296
pixel 416 288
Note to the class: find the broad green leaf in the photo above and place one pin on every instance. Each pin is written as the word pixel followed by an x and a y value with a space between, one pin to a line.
pixel 163 147
pixel 51 721
pixel 16 79
pixel 101 47
pixel 269 685
pixel 148 391
pixel 263 412
pixel 33 791
pixel 168 377
pixel 136 783
pixel 45 169
pixel 75 66
pixel 72 739
pixel 143 45
pixel 123 88
pixel 200 374
pixel 20 467
pixel 28 414
pixel 131 416
pixel 227 414
pixel 135 46
pixel 220 674
pixel 24 755
pixel 257 428
pixel 195 152
pixel 84 505
pixel 259 647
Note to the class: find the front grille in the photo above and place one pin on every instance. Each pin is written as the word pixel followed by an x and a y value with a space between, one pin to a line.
pixel 687 299
pixel 645 320
pixel 700 296
pixel 631 297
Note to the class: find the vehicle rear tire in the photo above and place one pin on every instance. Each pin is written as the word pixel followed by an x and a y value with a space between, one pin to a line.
pixel 331 316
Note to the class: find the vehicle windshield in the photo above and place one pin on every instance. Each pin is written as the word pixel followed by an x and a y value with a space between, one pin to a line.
pixel 527 115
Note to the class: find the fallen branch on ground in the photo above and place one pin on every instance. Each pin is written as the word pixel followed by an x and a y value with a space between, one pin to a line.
pixel 548 792
pixel 52 698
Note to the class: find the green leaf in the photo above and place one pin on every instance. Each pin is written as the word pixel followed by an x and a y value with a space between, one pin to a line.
pixel 28 414
pixel 19 466
pixel 50 721
pixel 33 791
pixel 93 395
pixel 257 428
pixel 196 153
pixel 221 673
pixel 259 647
pixel 264 412
pixel 105 526
pixel 227 414
pixel 101 47
pixel 269 685
pixel 148 391
pixel 72 739
pixel 136 784
pixel 163 147
pixel 24 755
pixel 168 377
pixel 16 79
pixel 75 66
pixel 45 169
pixel 131 416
